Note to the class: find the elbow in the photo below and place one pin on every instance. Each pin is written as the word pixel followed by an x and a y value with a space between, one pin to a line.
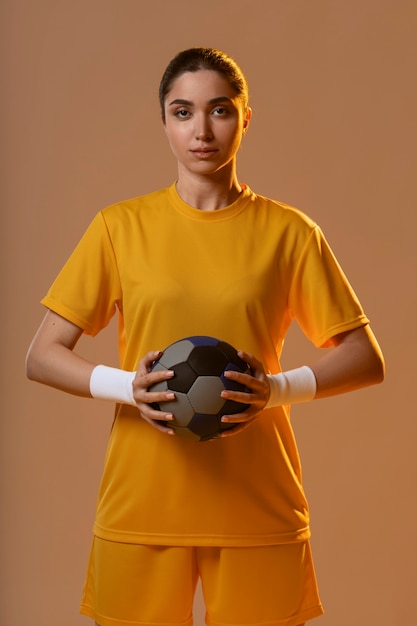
pixel 376 367
pixel 32 366
pixel 379 370
pixel 29 368
pixel 373 359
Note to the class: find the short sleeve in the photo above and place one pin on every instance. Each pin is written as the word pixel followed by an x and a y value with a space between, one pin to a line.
pixel 87 290
pixel 321 298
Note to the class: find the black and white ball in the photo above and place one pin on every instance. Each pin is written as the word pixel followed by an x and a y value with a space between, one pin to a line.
pixel 199 364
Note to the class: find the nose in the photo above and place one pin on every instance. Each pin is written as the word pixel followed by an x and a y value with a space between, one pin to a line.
pixel 203 130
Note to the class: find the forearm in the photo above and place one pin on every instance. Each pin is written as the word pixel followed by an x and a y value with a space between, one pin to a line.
pixel 50 359
pixel 355 362
pixel 61 368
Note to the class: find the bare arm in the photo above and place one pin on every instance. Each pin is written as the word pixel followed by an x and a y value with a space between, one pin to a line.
pixel 353 361
pixel 50 359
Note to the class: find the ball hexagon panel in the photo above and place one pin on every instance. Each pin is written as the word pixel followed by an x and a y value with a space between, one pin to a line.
pixel 181 406
pixel 176 353
pixel 181 409
pixel 163 384
pixel 204 395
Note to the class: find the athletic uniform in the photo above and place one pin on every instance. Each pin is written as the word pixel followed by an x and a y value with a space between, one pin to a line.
pixel 242 274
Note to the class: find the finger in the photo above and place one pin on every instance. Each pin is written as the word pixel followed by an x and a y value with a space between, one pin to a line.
pixel 145 364
pixel 255 380
pixel 250 359
pixel 239 377
pixel 155 417
pixel 254 388
pixel 259 388
pixel 158 425
pixel 243 397
pixel 234 431
pixel 235 418
pixel 157 397
pixel 141 382
pixel 250 413
pixel 145 399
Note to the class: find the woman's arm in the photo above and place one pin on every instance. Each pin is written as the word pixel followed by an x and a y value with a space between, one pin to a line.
pixel 353 361
pixel 50 359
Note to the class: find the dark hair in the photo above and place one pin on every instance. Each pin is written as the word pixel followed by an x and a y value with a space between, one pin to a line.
pixel 195 59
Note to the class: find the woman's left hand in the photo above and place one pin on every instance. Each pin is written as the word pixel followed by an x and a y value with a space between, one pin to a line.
pixel 257 398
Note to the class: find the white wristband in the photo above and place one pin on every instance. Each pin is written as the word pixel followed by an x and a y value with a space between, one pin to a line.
pixel 290 387
pixel 110 383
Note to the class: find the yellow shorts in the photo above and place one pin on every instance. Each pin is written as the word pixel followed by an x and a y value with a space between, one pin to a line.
pixel 136 585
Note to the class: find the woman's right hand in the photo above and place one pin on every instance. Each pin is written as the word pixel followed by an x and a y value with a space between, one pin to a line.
pixel 143 380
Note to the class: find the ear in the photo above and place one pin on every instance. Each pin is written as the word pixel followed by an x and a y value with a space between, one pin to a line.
pixel 247 120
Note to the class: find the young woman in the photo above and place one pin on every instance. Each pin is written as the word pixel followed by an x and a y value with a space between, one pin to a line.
pixel 231 511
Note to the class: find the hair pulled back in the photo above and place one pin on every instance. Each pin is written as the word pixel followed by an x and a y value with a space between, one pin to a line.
pixel 195 59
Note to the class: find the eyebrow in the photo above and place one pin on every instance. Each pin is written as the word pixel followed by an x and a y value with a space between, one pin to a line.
pixel 212 101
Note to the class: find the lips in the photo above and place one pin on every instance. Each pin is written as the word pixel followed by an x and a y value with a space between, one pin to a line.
pixel 203 153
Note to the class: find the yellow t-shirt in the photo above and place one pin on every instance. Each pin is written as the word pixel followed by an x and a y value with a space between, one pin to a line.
pixel 242 274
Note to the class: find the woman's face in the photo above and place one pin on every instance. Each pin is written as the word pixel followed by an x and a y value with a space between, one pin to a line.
pixel 204 122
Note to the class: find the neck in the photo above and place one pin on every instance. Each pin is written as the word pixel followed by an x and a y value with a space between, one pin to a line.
pixel 208 193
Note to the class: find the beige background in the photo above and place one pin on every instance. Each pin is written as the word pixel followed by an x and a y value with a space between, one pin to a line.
pixel 333 87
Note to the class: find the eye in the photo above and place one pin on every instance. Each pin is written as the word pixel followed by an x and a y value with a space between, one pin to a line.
pixel 182 114
pixel 220 111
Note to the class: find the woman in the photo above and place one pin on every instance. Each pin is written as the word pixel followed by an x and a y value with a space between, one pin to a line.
pixel 206 256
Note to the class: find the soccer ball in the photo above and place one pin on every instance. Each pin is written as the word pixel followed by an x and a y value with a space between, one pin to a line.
pixel 199 364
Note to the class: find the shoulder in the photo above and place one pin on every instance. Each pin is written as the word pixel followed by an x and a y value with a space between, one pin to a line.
pixel 134 207
pixel 280 212
pixel 279 208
